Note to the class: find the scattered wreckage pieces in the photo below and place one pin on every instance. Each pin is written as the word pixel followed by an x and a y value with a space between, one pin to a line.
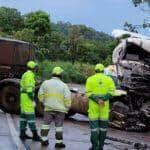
pixel 136 146
pixel 125 114
pixel 122 118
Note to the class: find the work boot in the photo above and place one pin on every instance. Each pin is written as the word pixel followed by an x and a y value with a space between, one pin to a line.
pixel 24 136
pixel 36 137
pixel 60 145
pixel 45 143
pixel 95 148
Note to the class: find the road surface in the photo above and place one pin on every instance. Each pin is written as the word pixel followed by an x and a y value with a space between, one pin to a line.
pixel 76 136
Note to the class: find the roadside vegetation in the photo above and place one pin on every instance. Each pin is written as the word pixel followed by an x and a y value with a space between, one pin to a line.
pixel 74 47
pixel 73 73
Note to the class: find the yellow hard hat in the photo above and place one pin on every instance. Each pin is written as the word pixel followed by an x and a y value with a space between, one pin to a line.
pixel 57 70
pixel 31 64
pixel 99 67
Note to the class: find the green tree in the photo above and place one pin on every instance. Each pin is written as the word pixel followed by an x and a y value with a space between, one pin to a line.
pixel 63 27
pixel 86 32
pixel 25 35
pixel 87 52
pixel 73 40
pixel 38 21
pixel 91 34
pixel 56 47
pixel 10 20
pixel 57 41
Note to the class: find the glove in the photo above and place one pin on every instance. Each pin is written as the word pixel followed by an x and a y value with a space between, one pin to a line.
pixel 31 95
pixel 94 97
pixel 106 97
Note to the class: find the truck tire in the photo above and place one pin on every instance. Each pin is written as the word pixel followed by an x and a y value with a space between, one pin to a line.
pixel 9 93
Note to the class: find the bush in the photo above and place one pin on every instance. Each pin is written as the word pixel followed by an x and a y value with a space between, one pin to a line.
pixel 75 73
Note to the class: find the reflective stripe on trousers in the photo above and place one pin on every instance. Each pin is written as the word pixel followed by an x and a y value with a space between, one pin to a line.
pixel 27 119
pixel 58 117
pixel 98 133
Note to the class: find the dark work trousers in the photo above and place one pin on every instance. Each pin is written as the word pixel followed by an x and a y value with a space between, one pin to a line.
pixel 58 118
pixel 98 133
pixel 27 118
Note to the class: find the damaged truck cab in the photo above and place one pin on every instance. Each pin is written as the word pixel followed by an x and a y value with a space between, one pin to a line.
pixel 132 60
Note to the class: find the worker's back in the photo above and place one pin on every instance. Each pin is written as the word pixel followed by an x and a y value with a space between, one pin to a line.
pixel 27 80
pixel 54 93
pixel 100 84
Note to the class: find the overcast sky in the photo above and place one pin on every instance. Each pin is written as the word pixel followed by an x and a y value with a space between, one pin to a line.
pixel 103 15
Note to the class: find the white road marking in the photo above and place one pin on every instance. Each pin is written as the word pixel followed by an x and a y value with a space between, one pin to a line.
pixel 18 143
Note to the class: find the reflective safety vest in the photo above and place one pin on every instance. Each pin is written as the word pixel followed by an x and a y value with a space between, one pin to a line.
pixel 27 85
pixel 99 84
pixel 55 95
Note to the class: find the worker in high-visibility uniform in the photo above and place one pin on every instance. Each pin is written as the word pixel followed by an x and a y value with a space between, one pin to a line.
pixel 99 88
pixel 56 97
pixel 27 104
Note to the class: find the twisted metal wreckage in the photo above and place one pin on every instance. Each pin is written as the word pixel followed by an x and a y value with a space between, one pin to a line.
pixel 130 112
pixel 132 59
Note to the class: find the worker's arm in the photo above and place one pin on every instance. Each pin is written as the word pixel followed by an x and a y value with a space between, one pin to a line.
pixel 112 87
pixel 89 92
pixel 67 97
pixel 31 87
pixel 41 92
pixel 88 88
pixel 95 97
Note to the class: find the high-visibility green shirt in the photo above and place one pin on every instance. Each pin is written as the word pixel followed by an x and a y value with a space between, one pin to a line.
pixel 101 85
pixel 27 85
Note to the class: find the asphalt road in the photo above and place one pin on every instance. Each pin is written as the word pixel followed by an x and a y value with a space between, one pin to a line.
pixel 76 136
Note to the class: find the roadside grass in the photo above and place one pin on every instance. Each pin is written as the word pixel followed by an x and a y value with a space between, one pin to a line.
pixel 73 73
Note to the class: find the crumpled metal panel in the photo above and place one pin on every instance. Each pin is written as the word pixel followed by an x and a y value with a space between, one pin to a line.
pixel 120 49
pixel 132 59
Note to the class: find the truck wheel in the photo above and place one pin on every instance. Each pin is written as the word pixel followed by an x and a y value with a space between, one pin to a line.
pixel 10 98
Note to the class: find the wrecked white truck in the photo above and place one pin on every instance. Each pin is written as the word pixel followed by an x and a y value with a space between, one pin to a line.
pixel 132 60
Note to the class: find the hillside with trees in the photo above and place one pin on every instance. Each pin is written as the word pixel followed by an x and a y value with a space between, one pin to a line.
pixel 55 42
